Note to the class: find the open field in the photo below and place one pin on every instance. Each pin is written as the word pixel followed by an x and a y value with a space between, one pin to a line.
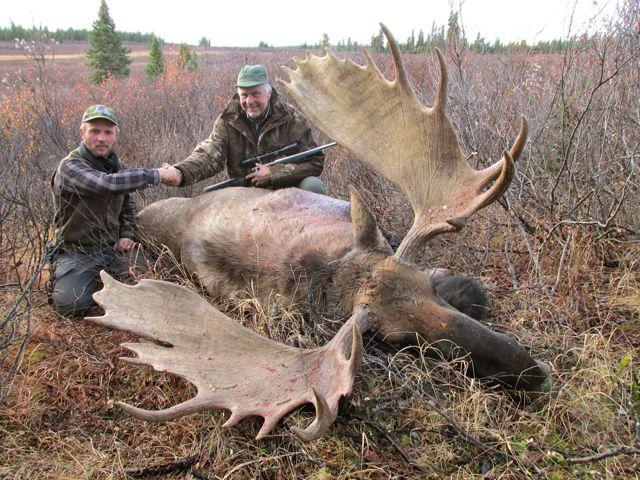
pixel 72 55
pixel 560 256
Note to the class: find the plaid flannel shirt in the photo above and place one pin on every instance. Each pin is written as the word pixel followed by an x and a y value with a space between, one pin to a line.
pixel 81 181
pixel 75 175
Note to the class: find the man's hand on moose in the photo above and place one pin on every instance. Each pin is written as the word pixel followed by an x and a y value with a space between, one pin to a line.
pixel 170 175
pixel 124 245
pixel 261 177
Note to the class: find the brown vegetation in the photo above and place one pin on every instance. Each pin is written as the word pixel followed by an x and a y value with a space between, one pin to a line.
pixel 560 255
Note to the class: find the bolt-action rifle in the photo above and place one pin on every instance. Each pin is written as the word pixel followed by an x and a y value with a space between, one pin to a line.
pixel 295 158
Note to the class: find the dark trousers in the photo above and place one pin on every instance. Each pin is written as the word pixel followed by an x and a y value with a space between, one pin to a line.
pixel 76 276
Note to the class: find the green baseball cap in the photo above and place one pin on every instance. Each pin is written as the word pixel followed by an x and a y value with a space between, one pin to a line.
pixel 252 75
pixel 99 111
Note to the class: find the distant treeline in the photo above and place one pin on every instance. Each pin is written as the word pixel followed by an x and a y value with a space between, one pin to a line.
pixel 423 45
pixel 70 34
pixel 440 36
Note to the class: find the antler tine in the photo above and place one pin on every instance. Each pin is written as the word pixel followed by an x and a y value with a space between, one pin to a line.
pixel 401 73
pixel 500 185
pixel 187 407
pixel 440 103
pixel 233 419
pixel 521 139
pixel 514 151
pixel 323 421
pixel 267 426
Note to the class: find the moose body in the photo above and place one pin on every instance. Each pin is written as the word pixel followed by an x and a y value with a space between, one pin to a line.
pixel 289 242
pixel 295 243
pixel 248 240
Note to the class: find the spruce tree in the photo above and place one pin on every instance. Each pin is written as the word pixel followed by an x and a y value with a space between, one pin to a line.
pixel 377 42
pixel 187 58
pixel 420 44
pixel 107 57
pixel 324 41
pixel 155 67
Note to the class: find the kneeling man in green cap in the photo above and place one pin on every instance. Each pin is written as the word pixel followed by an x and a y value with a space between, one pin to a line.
pixel 253 123
pixel 95 215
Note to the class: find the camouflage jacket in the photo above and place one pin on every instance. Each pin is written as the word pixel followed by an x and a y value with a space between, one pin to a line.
pixel 232 141
pixel 93 206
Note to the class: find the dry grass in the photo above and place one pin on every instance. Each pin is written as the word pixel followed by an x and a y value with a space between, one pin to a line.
pixel 59 421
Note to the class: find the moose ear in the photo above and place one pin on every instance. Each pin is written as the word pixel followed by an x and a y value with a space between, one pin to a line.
pixel 366 235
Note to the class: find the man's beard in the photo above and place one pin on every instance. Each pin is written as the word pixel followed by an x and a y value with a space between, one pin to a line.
pixel 94 151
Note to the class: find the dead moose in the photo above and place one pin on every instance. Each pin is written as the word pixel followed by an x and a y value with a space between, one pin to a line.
pixel 294 242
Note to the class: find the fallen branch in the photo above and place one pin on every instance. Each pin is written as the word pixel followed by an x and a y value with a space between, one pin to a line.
pixel 320 463
pixel 174 466
pixel 383 431
pixel 196 472
pixel 612 452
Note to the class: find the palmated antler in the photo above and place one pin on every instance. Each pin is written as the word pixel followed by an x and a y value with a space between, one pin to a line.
pixel 385 125
pixel 232 367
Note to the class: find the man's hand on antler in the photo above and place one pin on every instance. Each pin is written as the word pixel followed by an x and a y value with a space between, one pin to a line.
pixel 261 177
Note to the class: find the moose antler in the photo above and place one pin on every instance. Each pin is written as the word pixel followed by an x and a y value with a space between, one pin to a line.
pixel 411 145
pixel 232 367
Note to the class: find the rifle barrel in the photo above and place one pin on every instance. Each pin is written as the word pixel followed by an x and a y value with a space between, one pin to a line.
pixel 232 182
pixel 297 156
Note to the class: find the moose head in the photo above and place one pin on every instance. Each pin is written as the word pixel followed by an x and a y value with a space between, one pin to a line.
pixel 296 242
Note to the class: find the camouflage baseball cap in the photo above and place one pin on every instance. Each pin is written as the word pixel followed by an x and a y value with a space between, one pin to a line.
pixel 252 75
pixel 99 111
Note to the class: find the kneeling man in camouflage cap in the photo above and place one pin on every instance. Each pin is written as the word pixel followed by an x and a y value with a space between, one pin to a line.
pixel 95 215
pixel 253 123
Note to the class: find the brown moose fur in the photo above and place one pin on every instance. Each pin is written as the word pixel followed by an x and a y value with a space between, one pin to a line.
pixel 241 241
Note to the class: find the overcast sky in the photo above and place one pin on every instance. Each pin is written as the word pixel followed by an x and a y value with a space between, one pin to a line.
pixel 293 22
